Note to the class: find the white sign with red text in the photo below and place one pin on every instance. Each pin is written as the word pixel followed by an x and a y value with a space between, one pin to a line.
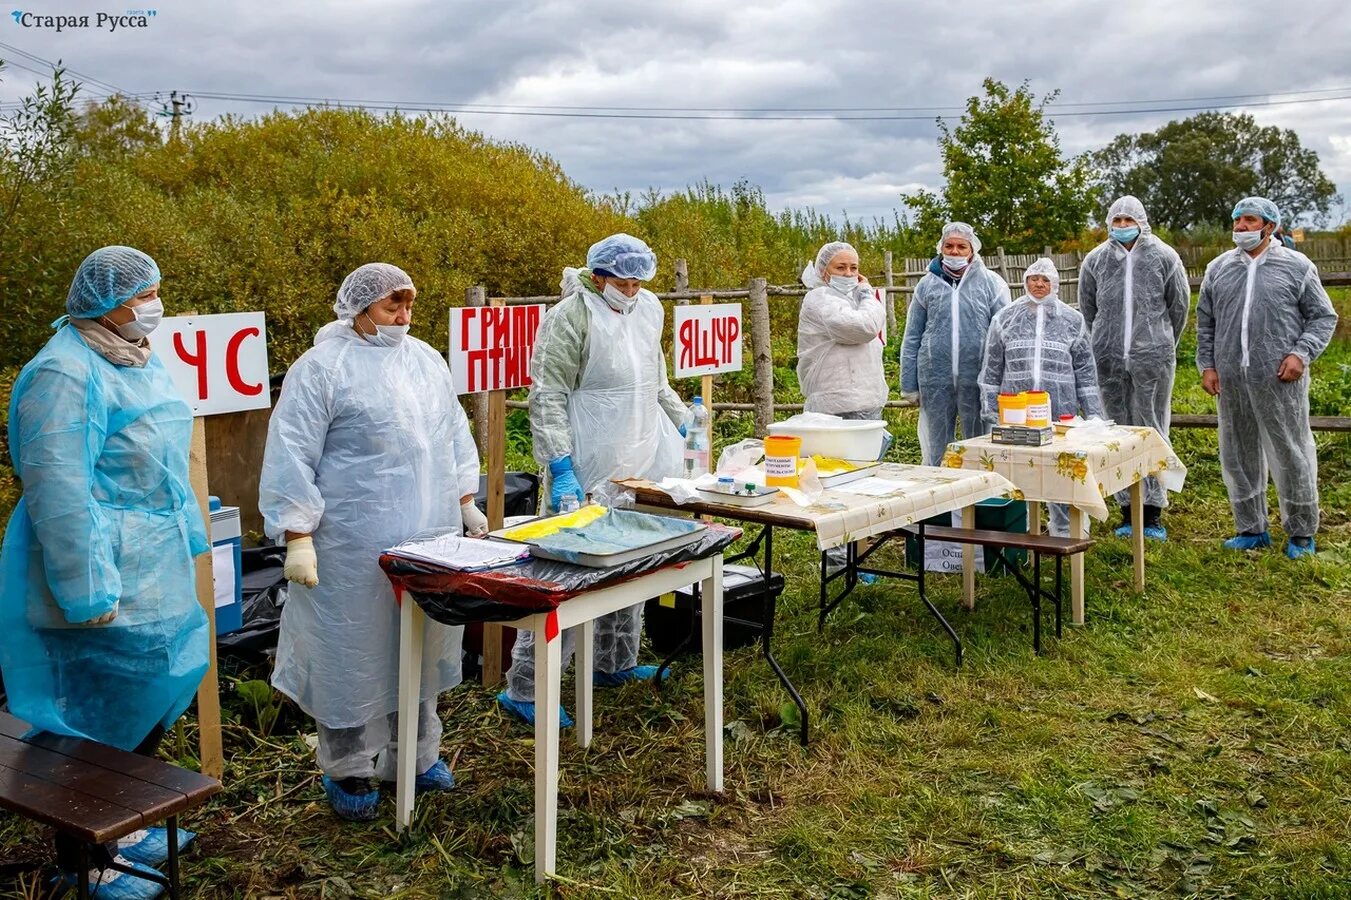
pixel 218 363
pixel 708 339
pixel 491 346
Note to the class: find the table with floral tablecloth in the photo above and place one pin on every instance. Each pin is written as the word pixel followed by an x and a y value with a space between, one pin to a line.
pixel 1082 469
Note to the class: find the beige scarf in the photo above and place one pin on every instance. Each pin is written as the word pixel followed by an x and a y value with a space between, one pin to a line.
pixel 111 346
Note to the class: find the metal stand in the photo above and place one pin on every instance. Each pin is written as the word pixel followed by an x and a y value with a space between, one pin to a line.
pixel 853 568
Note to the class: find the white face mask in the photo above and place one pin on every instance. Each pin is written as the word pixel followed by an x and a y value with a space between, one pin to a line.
pixel 385 335
pixel 147 319
pixel 1248 240
pixel 956 263
pixel 845 284
pixel 617 299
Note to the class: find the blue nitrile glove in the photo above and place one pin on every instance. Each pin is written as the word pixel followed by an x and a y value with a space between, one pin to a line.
pixel 681 429
pixel 563 482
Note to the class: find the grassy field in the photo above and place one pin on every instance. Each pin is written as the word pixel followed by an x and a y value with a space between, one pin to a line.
pixel 1193 741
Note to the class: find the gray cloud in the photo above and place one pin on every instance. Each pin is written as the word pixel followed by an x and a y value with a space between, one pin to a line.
pixel 712 53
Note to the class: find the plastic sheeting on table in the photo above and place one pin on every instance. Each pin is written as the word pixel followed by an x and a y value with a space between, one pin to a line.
pixel 532 586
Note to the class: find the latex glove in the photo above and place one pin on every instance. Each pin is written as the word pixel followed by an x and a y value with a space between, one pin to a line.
pixel 475 522
pixel 1210 381
pixel 103 619
pixel 563 482
pixel 911 398
pixel 302 566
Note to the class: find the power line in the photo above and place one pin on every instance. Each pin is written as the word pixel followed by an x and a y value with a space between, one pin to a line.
pixel 601 113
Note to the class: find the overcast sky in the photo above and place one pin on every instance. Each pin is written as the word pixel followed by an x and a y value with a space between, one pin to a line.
pixel 744 54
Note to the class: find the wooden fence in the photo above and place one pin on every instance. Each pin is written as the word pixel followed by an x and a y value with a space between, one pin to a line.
pixel 235 442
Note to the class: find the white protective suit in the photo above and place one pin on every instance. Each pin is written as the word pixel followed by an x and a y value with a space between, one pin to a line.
pixel 1135 303
pixel 1254 312
pixel 599 393
pixel 1041 345
pixel 367 446
pixel 839 349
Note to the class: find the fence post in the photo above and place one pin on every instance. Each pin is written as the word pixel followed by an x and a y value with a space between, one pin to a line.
pixel 682 275
pixel 478 296
pixel 1003 264
pixel 889 297
pixel 763 359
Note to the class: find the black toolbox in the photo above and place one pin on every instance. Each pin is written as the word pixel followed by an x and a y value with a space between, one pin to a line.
pixel 670 618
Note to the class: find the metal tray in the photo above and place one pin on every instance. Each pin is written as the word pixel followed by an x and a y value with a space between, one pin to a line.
pixel 609 560
pixel 762 496
pixel 831 481
pixel 501 533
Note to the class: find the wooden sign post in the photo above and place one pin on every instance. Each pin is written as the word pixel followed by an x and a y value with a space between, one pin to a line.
pixel 708 340
pixel 490 350
pixel 219 365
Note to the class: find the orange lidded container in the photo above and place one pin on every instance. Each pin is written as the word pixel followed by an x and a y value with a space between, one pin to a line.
pixel 1012 409
pixel 1038 409
pixel 781 453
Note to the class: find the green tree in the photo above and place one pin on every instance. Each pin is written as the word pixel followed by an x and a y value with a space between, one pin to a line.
pixel 1006 175
pixel 1191 172
pixel 36 148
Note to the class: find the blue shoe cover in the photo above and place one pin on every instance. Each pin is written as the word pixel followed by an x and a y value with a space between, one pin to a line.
pixel 637 673
pixel 110 884
pixel 1156 533
pixel 1248 541
pixel 352 807
pixel 1297 551
pixel 1126 531
pixel 150 846
pixel 525 710
pixel 437 778
pixel 867 578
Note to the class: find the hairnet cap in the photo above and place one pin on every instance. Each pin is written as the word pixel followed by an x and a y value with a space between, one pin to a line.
pixel 1046 268
pixel 364 286
pixel 1131 208
pixel 961 230
pixel 109 277
pixel 1258 206
pixel 829 252
pixel 623 256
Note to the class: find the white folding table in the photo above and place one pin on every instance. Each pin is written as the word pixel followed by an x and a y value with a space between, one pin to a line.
pixel 580 610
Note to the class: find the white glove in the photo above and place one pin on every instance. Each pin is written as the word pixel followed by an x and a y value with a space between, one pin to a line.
pixel 103 619
pixel 302 566
pixel 864 291
pixel 475 522
pixel 911 398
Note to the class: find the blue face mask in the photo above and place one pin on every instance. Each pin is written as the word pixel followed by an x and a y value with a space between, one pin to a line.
pixel 1125 235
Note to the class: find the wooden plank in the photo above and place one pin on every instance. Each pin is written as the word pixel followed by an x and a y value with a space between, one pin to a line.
pixel 497 505
pixel 707 300
pixel 150 801
pixel 1042 543
pixel 192 785
pixel 99 821
pixel 210 748
pixel 1338 424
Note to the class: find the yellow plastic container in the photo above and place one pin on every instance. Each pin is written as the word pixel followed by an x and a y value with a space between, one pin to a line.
pixel 1013 409
pixel 1038 409
pixel 781 453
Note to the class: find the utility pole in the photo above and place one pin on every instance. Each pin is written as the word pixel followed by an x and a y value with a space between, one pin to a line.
pixel 180 105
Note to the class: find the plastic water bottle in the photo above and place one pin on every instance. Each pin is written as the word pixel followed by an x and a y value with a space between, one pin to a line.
pixel 568 504
pixel 696 440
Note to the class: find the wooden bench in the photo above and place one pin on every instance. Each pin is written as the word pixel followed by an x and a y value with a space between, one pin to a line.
pixel 95 793
pixel 1038 545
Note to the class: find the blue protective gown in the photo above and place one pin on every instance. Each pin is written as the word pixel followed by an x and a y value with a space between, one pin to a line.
pixel 107 518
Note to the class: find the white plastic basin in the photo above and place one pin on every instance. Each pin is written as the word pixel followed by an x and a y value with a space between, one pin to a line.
pixel 853 439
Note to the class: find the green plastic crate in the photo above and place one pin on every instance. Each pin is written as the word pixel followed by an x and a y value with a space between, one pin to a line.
pixel 992 515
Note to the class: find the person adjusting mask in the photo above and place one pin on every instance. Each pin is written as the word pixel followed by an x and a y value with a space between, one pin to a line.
pixel 1135 297
pixel 944 344
pixel 1037 343
pixel 367 446
pixel 1262 319
pixel 103 636
pixel 600 408
pixel 839 343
